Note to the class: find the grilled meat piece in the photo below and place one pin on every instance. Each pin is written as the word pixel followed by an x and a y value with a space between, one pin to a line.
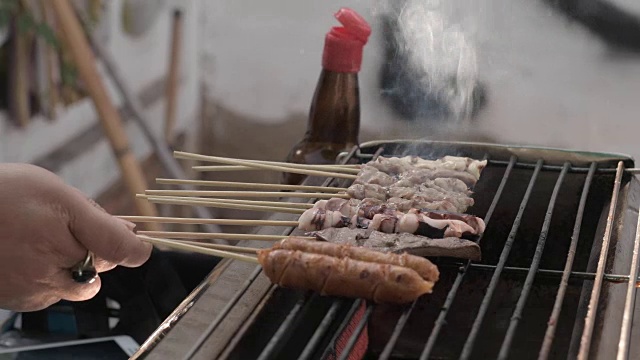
pixel 421 176
pixel 403 242
pixel 317 219
pixel 399 165
pixel 371 175
pixel 429 223
pixel 400 204
pixel 422 266
pixel 363 191
pixel 379 280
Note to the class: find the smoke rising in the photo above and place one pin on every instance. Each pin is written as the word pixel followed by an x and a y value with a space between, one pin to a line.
pixel 433 73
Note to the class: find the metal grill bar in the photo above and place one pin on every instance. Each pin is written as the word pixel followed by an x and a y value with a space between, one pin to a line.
pixel 231 345
pixel 328 319
pixel 277 337
pixel 475 329
pixel 402 321
pixel 535 264
pixel 618 278
pixel 214 324
pixel 627 317
pixel 272 344
pixel 211 328
pixel 572 169
pixel 356 333
pixel 352 311
pixel 404 317
pixel 441 320
pixel 322 329
pixel 564 283
pixel 589 322
pixel 356 305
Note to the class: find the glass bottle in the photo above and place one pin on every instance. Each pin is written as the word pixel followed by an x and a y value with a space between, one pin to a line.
pixel 334 116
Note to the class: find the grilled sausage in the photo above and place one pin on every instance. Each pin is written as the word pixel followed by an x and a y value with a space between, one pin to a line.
pixel 345 277
pixel 425 268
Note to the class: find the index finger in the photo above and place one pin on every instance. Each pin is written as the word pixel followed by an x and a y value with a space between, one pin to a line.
pixel 108 237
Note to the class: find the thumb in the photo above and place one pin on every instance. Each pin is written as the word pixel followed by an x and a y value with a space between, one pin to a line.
pixel 106 236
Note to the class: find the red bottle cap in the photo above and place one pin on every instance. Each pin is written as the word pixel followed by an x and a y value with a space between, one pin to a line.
pixel 343 44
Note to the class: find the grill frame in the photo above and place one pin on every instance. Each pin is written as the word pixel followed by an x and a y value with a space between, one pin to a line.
pixel 554 160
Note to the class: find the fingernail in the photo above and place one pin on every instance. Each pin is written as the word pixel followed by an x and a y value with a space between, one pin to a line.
pixel 127 223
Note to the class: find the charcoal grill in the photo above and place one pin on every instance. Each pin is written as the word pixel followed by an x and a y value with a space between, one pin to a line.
pixel 557 280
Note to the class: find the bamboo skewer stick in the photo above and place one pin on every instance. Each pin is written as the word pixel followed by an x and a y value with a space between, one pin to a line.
pixel 230 248
pixel 246 185
pixel 349 168
pixel 346 170
pixel 226 236
pixel 190 156
pixel 172 77
pixel 217 204
pixel 230 168
pixel 177 220
pixel 285 205
pixel 205 193
pixel 219 168
pixel 197 249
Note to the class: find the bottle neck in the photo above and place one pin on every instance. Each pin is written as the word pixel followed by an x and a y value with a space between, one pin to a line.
pixel 334 117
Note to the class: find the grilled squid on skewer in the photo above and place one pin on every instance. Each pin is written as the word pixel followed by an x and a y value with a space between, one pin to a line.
pixel 369 207
pixel 402 242
pixel 431 224
pixel 317 219
pixel 399 165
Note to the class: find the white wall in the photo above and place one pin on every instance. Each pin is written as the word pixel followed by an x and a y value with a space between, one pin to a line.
pixel 550 83
pixel 142 61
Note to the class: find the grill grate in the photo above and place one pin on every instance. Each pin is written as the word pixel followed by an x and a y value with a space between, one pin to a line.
pixel 468 346
pixel 562 290
pixel 311 324
pixel 585 343
pixel 456 285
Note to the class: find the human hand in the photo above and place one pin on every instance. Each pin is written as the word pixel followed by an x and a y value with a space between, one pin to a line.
pixel 47 227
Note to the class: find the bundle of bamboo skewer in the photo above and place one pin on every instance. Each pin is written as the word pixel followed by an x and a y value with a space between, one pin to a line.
pixel 233 199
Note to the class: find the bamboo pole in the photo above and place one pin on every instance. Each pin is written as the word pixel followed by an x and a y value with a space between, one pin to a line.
pixel 19 74
pixel 172 77
pixel 85 61
pixel 171 165
pixel 51 63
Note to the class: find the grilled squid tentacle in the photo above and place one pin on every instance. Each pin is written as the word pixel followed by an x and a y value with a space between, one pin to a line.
pixel 408 223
